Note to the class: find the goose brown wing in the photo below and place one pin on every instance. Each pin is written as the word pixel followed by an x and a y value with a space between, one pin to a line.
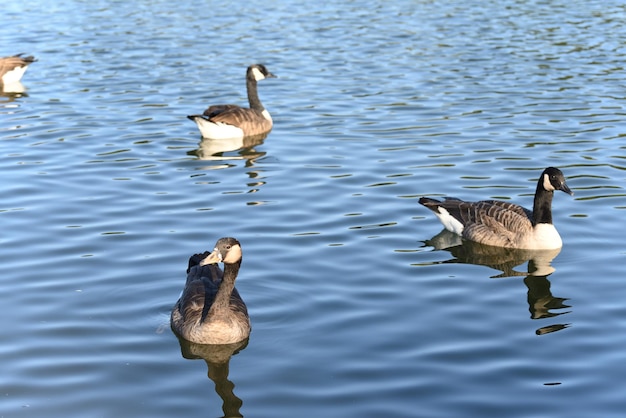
pixel 215 110
pixel 200 290
pixel 499 223
pixel 500 216
pixel 9 63
pixel 487 212
pixel 512 207
pixel 251 121
pixel 191 302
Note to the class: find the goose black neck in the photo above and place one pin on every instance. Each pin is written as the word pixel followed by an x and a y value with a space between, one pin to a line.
pixel 253 95
pixel 542 207
pixel 222 299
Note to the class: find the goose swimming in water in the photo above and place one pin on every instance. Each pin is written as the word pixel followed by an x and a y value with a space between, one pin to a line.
pixel 210 310
pixel 503 224
pixel 232 121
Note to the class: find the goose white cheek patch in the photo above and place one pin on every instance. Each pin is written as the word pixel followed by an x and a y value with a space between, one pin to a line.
pixel 258 75
pixel 546 183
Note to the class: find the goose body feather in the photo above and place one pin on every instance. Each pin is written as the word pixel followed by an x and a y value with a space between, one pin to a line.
pixel 233 122
pixel 504 224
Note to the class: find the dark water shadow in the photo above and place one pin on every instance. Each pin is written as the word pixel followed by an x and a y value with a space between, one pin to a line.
pixel 541 302
pixel 217 358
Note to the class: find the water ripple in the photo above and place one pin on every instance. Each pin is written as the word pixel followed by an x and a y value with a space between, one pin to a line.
pixel 108 188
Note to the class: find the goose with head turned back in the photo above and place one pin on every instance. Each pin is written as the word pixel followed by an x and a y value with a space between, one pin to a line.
pixel 232 121
pixel 13 68
pixel 503 224
pixel 210 310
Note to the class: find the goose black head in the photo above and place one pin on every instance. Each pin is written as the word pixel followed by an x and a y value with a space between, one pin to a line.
pixel 259 72
pixel 553 179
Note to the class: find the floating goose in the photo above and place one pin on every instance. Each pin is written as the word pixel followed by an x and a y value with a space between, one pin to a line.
pixel 210 310
pixel 503 224
pixel 232 121
pixel 13 68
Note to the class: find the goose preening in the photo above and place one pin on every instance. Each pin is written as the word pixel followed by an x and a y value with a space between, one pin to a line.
pixel 503 224
pixel 232 121
pixel 210 310
pixel 13 68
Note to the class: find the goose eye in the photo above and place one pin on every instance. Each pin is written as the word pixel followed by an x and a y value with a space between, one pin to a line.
pixel 228 247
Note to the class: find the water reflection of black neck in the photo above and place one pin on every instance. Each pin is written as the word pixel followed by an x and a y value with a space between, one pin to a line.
pixel 217 358
pixel 541 302
pixel 231 404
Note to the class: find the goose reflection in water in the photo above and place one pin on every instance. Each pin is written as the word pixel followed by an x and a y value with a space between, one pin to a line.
pixel 219 153
pixel 541 302
pixel 13 91
pixel 214 149
pixel 217 358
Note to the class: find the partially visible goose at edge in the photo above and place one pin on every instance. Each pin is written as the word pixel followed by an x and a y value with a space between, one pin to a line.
pixel 210 310
pixel 503 224
pixel 232 121
pixel 13 68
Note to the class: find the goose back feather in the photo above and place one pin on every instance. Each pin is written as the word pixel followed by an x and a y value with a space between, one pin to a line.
pixel 232 121
pixel 504 224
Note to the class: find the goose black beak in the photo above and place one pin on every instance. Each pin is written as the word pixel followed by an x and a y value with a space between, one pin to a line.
pixel 213 258
pixel 566 189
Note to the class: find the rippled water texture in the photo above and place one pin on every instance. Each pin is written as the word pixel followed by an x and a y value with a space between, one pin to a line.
pixel 359 307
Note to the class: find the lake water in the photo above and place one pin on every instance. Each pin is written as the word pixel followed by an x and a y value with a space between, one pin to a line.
pixel 358 309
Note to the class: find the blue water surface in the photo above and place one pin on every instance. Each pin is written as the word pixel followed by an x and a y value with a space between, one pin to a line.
pixel 359 308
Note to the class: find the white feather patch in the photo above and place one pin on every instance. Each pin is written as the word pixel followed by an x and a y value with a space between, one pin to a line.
pixel 217 130
pixel 546 183
pixel 258 75
pixel 14 75
pixel 449 222
pixel 233 255
pixel 267 115
pixel 545 236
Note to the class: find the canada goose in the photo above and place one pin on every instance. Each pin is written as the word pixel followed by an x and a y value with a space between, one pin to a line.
pixel 13 68
pixel 232 121
pixel 210 310
pixel 503 224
